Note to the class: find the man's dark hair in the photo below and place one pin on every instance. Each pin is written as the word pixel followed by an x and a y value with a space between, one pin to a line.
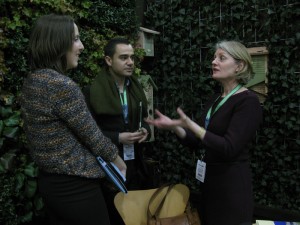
pixel 110 48
pixel 51 38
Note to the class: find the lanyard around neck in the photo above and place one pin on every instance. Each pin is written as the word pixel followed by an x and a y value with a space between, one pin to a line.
pixel 123 98
pixel 210 113
pixel 124 103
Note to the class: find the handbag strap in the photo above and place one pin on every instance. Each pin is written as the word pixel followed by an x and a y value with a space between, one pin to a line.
pixel 149 214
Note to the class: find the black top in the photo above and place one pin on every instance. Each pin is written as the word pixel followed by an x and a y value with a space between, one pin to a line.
pixel 231 128
pixel 227 196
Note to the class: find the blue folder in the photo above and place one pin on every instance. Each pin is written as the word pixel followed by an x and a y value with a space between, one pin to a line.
pixel 113 173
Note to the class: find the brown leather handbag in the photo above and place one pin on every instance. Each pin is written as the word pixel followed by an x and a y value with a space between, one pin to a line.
pixel 190 215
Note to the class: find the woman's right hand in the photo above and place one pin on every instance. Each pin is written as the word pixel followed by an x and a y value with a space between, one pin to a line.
pixel 164 122
pixel 121 165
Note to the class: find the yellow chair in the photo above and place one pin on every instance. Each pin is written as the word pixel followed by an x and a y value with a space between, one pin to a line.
pixel 133 206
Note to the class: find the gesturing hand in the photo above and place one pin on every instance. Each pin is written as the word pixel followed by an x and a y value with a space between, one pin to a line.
pixel 164 122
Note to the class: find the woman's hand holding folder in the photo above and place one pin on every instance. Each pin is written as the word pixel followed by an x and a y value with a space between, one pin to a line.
pixel 121 165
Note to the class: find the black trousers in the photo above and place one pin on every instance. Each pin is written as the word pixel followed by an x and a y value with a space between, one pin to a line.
pixel 72 200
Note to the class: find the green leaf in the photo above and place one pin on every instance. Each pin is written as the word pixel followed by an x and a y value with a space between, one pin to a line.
pixel 27 217
pixel 10 132
pixel 8 99
pixel 270 11
pixel 2 169
pixel 38 203
pixel 86 4
pixel 30 170
pixel 6 160
pixel 13 120
pixel 5 111
pixel 20 179
pixel 30 188
pixel 182 11
pixel 1 126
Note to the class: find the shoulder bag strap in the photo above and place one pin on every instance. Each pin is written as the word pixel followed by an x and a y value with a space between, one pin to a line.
pixel 149 214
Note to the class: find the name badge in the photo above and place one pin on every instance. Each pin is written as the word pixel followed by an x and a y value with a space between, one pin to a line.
pixel 128 150
pixel 200 170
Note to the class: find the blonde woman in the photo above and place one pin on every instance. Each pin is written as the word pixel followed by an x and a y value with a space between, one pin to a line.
pixel 225 130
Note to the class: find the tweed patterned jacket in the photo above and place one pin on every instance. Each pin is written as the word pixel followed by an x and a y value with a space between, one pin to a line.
pixel 61 132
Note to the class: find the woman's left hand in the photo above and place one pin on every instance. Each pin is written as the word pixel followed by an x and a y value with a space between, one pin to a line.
pixel 184 120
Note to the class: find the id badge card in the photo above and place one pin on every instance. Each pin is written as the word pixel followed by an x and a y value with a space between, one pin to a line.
pixel 128 150
pixel 200 170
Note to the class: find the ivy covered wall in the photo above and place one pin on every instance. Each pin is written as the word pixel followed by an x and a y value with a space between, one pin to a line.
pixel 182 68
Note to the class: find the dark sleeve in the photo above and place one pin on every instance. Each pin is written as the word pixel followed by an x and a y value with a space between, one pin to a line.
pixel 86 93
pixel 190 140
pixel 112 135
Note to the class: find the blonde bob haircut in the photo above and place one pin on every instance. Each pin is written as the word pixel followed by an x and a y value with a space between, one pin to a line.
pixel 239 52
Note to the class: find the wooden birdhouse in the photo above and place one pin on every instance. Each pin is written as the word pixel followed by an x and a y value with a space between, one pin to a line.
pixel 259 57
pixel 146 40
pixel 149 86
